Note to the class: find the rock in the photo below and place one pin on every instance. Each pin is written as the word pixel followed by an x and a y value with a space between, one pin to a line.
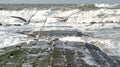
pixel 78 54
pixel 92 23
pixel 100 57
pixel 49 31
pixel 58 33
pixel 58 53
pixel 0 24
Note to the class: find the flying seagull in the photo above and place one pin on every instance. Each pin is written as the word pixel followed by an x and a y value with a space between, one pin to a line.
pixel 65 18
pixel 24 20
pixel 39 33
pixel 37 37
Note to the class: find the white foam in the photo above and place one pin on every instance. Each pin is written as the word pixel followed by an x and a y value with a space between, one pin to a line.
pixel 73 38
pixel 10 39
pixel 80 20
pixel 106 5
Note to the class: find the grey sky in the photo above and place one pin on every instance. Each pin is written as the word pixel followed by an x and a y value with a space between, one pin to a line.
pixel 59 1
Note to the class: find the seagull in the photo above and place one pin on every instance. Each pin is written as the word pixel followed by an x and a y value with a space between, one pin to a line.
pixel 24 20
pixel 39 33
pixel 65 18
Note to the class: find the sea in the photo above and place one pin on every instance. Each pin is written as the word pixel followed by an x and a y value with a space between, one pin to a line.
pixel 100 22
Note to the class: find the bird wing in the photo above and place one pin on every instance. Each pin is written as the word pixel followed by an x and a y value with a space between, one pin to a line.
pixel 39 33
pixel 65 17
pixel 19 18
pixel 73 13
pixel 31 17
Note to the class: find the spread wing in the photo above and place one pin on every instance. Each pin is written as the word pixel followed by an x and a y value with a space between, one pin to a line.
pixel 39 33
pixel 73 13
pixel 65 18
pixel 19 18
pixel 31 17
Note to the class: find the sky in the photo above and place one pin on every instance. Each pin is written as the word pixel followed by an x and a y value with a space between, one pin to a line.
pixel 59 1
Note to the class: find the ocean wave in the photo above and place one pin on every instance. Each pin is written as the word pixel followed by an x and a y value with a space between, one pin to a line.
pixel 106 5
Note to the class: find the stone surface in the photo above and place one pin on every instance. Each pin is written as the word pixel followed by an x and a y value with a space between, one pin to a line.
pixel 57 53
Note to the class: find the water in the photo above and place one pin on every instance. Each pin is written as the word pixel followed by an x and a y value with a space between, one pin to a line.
pixel 58 6
pixel 31 6
pixel 99 21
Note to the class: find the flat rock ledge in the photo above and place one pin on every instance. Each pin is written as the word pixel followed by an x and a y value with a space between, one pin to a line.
pixel 56 53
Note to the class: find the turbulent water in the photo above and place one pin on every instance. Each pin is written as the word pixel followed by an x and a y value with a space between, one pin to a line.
pixel 99 21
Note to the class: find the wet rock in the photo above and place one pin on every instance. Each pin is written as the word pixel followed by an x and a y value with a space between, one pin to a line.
pixel 117 58
pixel 65 54
pixel 59 31
pixel 0 24
pixel 100 57
pixel 73 54
pixel 92 23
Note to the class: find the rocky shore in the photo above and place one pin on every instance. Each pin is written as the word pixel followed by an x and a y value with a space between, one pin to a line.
pixel 75 37
pixel 56 53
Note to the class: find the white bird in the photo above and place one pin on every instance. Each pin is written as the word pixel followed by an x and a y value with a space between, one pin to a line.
pixel 37 37
pixel 39 33
pixel 23 19
pixel 65 18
